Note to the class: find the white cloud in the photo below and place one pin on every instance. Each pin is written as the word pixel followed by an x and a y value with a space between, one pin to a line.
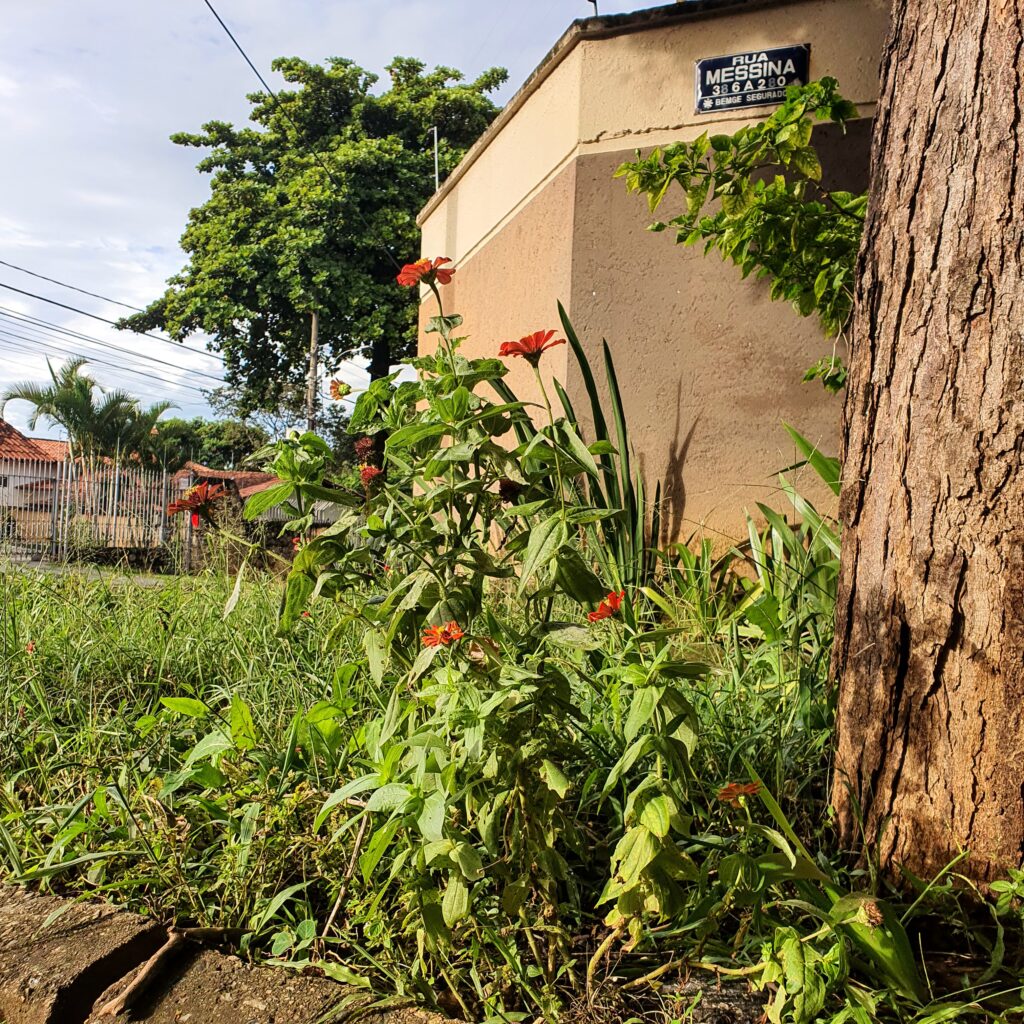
pixel 97 196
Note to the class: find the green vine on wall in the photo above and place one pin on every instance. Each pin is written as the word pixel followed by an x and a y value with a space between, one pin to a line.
pixel 757 197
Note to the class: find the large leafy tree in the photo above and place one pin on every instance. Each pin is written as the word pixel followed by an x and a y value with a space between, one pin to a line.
pixel 220 444
pixel 98 422
pixel 280 239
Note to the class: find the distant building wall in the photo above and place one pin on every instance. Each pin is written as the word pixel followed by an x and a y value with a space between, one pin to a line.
pixel 709 366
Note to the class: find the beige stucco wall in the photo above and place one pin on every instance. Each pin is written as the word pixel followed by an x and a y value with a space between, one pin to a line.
pixel 709 366
pixel 512 285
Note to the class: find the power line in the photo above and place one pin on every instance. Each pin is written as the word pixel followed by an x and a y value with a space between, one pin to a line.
pixel 137 389
pixel 49 346
pixel 71 287
pixel 298 133
pixel 56 349
pixel 112 323
pixel 142 390
pixel 34 348
pixel 46 327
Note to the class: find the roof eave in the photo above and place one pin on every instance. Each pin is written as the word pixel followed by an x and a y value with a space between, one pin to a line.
pixel 600 27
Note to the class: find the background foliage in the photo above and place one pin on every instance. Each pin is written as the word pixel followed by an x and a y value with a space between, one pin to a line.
pixel 279 238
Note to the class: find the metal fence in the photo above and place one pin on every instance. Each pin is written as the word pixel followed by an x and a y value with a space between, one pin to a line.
pixel 58 509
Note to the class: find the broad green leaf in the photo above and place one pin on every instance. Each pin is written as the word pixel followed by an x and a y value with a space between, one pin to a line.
pixel 391 797
pixel 645 700
pixel 298 589
pixel 414 433
pixel 656 815
pixel 554 778
pixel 262 501
pixel 468 860
pixel 571 634
pixel 373 644
pixel 545 540
pixel 339 972
pixel 576 579
pixel 243 730
pixel 806 161
pixel 430 820
pixel 876 930
pixel 210 746
pixel 340 796
pixel 377 847
pixel 455 904
pixel 185 706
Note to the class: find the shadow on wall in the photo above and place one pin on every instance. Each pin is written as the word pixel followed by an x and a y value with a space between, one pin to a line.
pixel 673 483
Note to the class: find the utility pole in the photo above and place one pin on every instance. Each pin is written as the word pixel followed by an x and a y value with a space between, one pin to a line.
pixel 437 163
pixel 311 373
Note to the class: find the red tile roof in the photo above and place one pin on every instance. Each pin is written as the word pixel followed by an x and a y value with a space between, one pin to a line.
pixel 241 478
pixel 15 445
pixel 245 491
pixel 57 450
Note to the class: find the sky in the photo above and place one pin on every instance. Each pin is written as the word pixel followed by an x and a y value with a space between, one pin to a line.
pixel 92 192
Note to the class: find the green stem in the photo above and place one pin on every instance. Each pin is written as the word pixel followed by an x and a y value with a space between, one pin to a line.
pixel 445 341
pixel 554 443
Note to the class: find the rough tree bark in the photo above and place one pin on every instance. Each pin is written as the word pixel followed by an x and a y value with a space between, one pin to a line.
pixel 929 649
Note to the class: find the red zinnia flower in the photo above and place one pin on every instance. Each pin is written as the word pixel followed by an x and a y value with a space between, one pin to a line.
pixel 531 347
pixel 608 607
pixel 731 794
pixel 369 475
pixel 195 520
pixel 198 500
pixel 425 271
pixel 442 636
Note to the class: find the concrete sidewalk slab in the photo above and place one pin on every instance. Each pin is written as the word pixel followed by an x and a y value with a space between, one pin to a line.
pixel 52 973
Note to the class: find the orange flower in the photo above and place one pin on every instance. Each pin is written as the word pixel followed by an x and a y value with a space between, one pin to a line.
pixel 425 271
pixel 198 500
pixel 30 647
pixel 531 347
pixel 608 607
pixel 339 390
pixel 442 636
pixel 731 793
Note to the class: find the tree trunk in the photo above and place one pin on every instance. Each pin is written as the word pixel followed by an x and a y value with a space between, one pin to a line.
pixel 380 359
pixel 929 651
pixel 380 366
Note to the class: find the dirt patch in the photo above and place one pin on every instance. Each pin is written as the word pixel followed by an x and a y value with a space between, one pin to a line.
pixel 202 986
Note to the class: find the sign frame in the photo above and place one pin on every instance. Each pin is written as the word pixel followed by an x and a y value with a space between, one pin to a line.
pixel 767 88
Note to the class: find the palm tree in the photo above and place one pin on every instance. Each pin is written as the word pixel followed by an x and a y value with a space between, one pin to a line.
pixel 98 423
